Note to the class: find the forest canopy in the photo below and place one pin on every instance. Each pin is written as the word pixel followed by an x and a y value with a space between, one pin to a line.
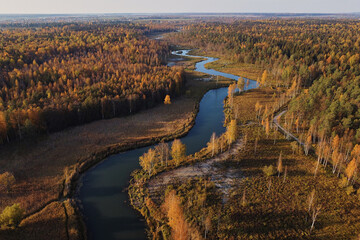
pixel 319 54
pixel 60 75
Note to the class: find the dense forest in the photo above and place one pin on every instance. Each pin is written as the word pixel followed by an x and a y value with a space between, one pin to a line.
pixel 64 74
pixel 322 55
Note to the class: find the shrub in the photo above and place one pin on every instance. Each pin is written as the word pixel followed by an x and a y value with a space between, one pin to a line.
pixel 11 216
pixel 350 190
pixel 269 170
pixel 7 180
pixel 343 182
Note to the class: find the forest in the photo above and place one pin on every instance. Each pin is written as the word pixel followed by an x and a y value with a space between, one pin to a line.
pixel 59 75
pixel 310 92
pixel 319 55
pixel 285 164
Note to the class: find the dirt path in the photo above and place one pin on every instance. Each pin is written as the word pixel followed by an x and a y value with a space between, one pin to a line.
pixel 288 134
pixel 212 168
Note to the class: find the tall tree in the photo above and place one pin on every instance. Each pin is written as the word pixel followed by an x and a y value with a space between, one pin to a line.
pixel 280 165
pixel 231 131
pixel 147 160
pixel 176 217
pixel 178 151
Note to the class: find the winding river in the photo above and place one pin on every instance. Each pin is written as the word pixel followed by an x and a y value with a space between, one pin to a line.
pixel 106 208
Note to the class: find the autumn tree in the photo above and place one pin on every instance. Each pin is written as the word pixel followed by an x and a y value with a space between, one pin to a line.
pixel 147 160
pixel 267 127
pixel 307 144
pixel 351 169
pixel 178 151
pixel 280 165
pixel 167 99
pixel 162 153
pixel 356 151
pixel 285 174
pixel 263 78
pixel 3 127
pixel 213 144
pixel 11 216
pixel 207 225
pixel 231 90
pixel 231 131
pixel 176 217
pixel 294 146
pixel 243 199
pixel 256 144
pixel 241 84
pixel 7 180
pixel 258 108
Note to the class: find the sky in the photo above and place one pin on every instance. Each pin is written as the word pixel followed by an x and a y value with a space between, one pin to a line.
pixel 176 6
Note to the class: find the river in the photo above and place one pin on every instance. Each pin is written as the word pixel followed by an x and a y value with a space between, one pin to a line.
pixel 108 214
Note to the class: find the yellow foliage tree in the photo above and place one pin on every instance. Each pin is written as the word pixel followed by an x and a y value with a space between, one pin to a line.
pixel 241 84
pixel 147 160
pixel 11 216
pixel 231 91
pixel 7 180
pixel 351 169
pixel 263 78
pixel 178 151
pixel 280 165
pixel 267 127
pixel 176 217
pixel 167 99
pixel 231 131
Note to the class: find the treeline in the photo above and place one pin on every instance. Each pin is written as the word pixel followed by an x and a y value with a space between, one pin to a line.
pixel 60 76
pixel 322 55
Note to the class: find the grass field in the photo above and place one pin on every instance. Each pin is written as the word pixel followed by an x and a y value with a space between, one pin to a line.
pixel 250 71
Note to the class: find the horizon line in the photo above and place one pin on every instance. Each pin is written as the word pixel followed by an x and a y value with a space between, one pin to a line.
pixel 175 13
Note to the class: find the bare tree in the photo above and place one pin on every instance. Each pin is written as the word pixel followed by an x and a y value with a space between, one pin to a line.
pixel 243 199
pixel 213 144
pixel 311 200
pixel 256 144
pixel 269 185
pixel 163 152
pixel 285 174
pixel 207 225
pixel 315 213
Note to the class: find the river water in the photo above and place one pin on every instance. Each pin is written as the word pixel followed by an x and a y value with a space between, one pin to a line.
pixel 108 214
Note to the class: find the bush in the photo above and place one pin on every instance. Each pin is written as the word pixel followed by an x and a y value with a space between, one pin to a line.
pixel 343 182
pixel 269 170
pixel 7 180
pixel 350 190
pixel 11 216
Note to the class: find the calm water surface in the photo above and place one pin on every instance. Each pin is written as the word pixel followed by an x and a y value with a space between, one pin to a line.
pixel 108 215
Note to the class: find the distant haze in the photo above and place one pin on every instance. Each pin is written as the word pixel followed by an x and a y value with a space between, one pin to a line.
pixel 177 6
